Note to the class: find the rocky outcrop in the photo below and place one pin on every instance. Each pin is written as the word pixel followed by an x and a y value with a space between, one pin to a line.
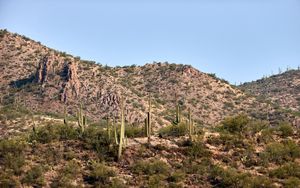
pixel 71 83
pixel 43 70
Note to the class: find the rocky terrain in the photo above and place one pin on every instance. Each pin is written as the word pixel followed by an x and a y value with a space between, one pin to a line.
pixel 282 89
pixel 46 80
pixel 233 137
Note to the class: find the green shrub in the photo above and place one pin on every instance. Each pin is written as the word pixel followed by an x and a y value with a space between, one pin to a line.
pixel 176 177
pixel 256 181
pixel 134 131
pixel 285 129
pixel 12 154
pixel 255 126
pixel 67 175
pixel 156 181
pixel 230 177
pixel 197 150
pixel 290 169
pixel 151 168
pixel 235 124
pixel 8 180
pixel 173 130
pixel 53 132
pixel 281 152
pixel 229 141
pixel 45 134
pixel 193 167
pixel 220 177
pixel 100 174
pixel 292 183
pixel 266 135
pixel 97 139
pixel 12 112
pixel 67 132
pixel 34 177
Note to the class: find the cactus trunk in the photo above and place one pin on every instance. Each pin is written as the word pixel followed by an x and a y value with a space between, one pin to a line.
pixel 148 122
pixel 108 128
pixel 190 125
pixel 65 116
pixel 122 131
pixel 82 121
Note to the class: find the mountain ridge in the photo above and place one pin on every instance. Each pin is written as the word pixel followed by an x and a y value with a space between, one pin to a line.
pixel 49 80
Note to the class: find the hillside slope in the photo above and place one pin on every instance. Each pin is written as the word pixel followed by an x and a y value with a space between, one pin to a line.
pixel 45 80
pixel 282 89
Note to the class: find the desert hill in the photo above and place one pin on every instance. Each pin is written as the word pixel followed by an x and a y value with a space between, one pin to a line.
pixel 282 89
pixel 47 80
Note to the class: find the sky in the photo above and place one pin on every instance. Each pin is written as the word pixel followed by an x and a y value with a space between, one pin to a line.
pixel 239 40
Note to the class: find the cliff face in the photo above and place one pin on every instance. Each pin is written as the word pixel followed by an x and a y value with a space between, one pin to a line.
pixel 47 80
pixel 70 89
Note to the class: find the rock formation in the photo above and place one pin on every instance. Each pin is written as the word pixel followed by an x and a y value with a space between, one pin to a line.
pixel 43 70
pixel 71 83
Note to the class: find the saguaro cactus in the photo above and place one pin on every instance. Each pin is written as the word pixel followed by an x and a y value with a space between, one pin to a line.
pixel 81 119
pixel 190 124
pixel 108 127
pixel 115 126
pixel 65 116
pixel 122 131
pixel 178 114
pixel 148 123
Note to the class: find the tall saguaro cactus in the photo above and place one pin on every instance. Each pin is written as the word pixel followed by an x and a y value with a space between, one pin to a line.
pixel 178 115
pixel 108 127
pixel 148 123
pixel 65 116
pixel 122 131
pixel 190 124
pixel 81 119
pixel 115 126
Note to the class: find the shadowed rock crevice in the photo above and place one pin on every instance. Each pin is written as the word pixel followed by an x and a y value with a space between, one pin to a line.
pixel 71 83
pixel 43 70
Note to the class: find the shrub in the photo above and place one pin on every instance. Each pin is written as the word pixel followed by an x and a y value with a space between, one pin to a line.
pixel 11 112
pixel 45 134
pixel 34 177
pixel 53 132
pixel 266 135
pixel 285 129
pixel 97 139
pixel 134 131
pixel 67 175
pixel 229 141
pixel 255 126
pixel 176 177
pixel 235 124
pixel 12 154
pixel 287 170
pixel 229 177
pixel 156 181
pixel 292 182
pixel 8 180
pixel 2 32
pixel 281 152
pixel 173 130
pixel 67 132
pixel 151 168
pixel 100 174
pixel 224 178
pixel 197 150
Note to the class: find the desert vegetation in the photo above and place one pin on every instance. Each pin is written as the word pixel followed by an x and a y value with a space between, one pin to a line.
pixel 76 123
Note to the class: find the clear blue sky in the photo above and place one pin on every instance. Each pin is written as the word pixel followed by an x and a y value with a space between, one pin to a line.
pixel 239 40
